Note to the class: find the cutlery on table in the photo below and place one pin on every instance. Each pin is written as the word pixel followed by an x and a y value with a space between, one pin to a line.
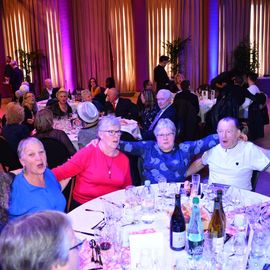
pixel 86 233
pixel 100 224
pixel 113 203
pixel 92 210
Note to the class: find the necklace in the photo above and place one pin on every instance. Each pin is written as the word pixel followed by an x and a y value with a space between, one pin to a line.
pixel 109 166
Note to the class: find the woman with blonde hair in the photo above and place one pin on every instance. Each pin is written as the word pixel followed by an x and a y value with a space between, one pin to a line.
pixel 30 108
pixel 61 107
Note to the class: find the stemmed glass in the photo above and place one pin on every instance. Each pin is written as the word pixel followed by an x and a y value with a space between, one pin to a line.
pixel 162 186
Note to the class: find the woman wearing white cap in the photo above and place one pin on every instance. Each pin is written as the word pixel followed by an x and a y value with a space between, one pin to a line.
pixel 88 114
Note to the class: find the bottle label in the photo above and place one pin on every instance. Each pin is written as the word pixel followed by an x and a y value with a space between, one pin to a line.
pixel 195 248
pixel 178 239
pixel 217 244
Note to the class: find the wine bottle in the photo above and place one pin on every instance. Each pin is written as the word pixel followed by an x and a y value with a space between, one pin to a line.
pixel 216 228
pixel 177 226
pixel 223 215
pixel 195 233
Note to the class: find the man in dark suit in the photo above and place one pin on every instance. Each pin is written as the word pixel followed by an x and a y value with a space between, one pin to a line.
pixel 48 92
pixel 167 110
pixel 120 106
pixel 160 74
pixel 16 78
pixel 187 109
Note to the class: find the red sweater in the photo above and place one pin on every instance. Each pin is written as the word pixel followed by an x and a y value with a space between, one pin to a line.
pixel 91 168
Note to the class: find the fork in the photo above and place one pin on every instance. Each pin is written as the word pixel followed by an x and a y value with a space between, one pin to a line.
pixel 95 226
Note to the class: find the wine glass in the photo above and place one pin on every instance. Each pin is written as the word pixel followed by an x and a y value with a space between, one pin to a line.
pixel 162 186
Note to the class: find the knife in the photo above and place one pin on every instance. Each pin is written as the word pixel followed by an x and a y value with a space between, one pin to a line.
pixel 113 203
pixel 86 233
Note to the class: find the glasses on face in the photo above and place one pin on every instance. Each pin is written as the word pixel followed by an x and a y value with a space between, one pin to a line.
pixel 163 135
pixel 113 132
pixel 78 246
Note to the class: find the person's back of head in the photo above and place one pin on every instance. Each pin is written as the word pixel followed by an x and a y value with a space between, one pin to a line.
pixel 14 113
pixel 252 76
pixel 163 58
pixel 42 241
pixel 185 85
pixel 43 121
pixel 110 83
pixel 238 80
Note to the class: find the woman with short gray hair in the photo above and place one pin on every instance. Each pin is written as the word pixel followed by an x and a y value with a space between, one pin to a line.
pixel 42 241
pixel 98 170
pixel 35 188
pixel 163 158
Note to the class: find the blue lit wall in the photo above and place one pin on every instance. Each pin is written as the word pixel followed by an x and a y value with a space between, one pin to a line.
pixel 213 39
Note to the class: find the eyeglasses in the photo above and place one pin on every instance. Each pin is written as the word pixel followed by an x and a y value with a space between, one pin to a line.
pixel 113 132
pixel 165 135
pixel 78 246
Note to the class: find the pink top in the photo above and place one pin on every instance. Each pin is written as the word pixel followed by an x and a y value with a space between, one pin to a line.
pixel 96 173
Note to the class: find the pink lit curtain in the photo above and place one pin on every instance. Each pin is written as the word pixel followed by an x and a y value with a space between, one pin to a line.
pixel 168 20
pixel 260 32
pixel 33 25
pixel 234 27
pixel 104 43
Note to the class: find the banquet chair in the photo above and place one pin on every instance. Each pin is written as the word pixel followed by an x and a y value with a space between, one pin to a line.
pixel 8 158
pixel 57 154
pixel 254 179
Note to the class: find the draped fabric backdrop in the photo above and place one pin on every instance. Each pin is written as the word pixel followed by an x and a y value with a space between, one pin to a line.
pixel 234 27
pixel 34 25
pixel 260 32
pixel 97 37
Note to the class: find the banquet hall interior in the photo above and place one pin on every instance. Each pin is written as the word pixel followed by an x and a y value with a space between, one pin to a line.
pixel 70 41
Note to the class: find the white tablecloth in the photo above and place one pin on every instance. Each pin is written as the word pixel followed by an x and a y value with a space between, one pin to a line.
pixel 83 220
pixel 205 106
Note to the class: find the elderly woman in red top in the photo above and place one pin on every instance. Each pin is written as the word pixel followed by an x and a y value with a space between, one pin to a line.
pixel 98 170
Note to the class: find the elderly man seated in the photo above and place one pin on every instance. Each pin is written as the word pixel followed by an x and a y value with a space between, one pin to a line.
pixel 232 161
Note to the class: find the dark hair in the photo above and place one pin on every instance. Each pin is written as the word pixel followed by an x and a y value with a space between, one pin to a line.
pixel 163 58
pixel 238 80
pixel 110 83
pixel 185 84
pixel 9 57
pixel 145 82
pixel 252 76
pixel 89 82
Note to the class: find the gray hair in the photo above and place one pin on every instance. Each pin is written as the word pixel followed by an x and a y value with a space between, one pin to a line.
pixel 107 121
pixel 24 143
pixel 36 241
pixel 164 123
pixel 167 94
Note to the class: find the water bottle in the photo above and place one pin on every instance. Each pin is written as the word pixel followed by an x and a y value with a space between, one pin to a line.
pixel 148 202
pixel 195 232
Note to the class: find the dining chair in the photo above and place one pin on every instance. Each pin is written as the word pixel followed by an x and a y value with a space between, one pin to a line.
pixel 254 179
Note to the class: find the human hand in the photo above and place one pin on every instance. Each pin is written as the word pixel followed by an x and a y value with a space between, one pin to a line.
pixel 243 137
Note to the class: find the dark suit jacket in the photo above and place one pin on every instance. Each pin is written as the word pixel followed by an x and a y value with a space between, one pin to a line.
pixel 188 96
pixel 161 78
pixel 169 113
pixel 44 94
pixel 16 78
pixel 125 108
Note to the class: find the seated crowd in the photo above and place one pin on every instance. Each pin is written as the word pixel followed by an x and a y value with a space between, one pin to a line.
pixel 102 161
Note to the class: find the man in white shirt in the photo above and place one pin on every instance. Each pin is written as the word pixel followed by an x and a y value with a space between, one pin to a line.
pixel 232 161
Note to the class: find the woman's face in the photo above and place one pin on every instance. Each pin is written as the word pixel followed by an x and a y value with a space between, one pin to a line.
pixel 30 98
pixel 34 158
pixel 165 139
pixel 93 82
pixel 62 97
pixel 110 136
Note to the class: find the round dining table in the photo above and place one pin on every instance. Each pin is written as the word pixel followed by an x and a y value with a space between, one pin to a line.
pixel 91 214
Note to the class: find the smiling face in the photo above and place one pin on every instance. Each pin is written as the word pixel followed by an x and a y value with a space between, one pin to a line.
pixel 165 139
pixel 34 158
pixel 228 134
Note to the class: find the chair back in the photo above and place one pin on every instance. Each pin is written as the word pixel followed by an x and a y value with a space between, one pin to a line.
pixel 56 152
pixel 8 158
pixel 254 179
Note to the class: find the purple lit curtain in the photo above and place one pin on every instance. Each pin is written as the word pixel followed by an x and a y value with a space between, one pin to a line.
pixel 33 25
pixel 234 27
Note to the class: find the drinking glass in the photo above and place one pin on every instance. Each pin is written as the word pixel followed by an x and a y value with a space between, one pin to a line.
pixel 195 184
pixel 162 186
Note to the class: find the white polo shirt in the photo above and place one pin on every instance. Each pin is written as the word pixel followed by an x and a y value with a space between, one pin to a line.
pixel 235 166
